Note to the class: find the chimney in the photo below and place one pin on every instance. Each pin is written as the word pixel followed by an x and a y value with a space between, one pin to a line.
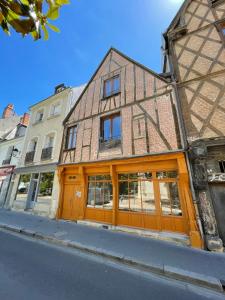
pixel 59 88
pixel 8 111
pixel 24 120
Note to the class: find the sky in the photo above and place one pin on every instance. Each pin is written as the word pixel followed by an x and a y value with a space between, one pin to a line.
pixel 31 69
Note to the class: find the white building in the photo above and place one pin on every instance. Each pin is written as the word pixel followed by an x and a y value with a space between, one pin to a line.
pixel 36 186
pixel 12 132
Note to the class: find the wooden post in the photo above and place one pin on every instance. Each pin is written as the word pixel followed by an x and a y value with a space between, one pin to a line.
pixel 115 193
pixel 83 191
pixel 60 173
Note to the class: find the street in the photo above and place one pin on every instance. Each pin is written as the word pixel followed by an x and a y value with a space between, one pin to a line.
pixel 31 269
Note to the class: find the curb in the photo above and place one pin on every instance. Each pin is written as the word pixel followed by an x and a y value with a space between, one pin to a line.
pixel 159 269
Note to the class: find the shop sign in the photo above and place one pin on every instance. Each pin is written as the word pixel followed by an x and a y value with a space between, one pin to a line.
pixel 6 171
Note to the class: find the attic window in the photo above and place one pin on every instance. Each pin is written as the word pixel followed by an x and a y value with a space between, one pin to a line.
pixel 111 86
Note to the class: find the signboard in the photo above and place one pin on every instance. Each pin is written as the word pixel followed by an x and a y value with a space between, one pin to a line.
pixel 6 171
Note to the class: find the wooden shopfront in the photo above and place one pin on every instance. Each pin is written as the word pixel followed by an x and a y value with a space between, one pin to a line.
pixel 150 192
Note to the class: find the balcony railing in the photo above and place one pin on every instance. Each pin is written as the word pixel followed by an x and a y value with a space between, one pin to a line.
pixel 29 157
pixel 110 143
pixel 6 161
pixel 46 153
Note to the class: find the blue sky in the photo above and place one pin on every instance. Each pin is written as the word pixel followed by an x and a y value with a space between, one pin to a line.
pixel 30 70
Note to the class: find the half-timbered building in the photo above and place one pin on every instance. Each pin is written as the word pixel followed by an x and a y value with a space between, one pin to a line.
pixel 195 55
pixel 121 159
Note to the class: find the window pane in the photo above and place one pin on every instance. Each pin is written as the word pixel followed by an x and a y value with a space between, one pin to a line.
pixel 45 187
pixel 107 87
pixel 116 84
pixel 99 194
pixel 103 177
pixel 148 197
pixel 133 176
pixel 74 137
pixel 123 176
pixel 107 133
pixel 175 201
pixel 170 203
pixel 91 195
pixel 168 174
pixel 22 190
pixel 116 127
pixel 165 198
pixel 123 196
pixel 145 175
pixel 91 178
pixel 135 195
pixel 108 195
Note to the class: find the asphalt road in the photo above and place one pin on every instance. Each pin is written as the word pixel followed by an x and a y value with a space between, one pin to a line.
pixel 31 269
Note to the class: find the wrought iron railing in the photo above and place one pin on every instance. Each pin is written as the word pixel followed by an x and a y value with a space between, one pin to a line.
pixel 29 157
pixel 46 153
pixel 110 143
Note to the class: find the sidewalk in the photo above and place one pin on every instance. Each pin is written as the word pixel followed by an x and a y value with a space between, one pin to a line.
pixel 187 264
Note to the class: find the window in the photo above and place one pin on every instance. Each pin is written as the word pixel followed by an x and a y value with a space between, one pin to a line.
pixel 169 196
pixel 111 128
pixel 23 186
pixel 136 192
pixel 33 145
pixel 111 86
pixel 71 137
pixel 55 110
pixel 39 116
pixel 100 192
pixel 222 166
pixel 45 187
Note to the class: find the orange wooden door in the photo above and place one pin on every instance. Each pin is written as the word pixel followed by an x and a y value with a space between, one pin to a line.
pixel 72 204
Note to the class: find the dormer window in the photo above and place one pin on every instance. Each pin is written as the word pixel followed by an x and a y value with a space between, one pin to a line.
pixel 111 86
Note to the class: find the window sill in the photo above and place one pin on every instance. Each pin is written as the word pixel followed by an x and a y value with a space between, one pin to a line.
pixel 112 95
pixel 53 116
pixel 71 149
pixel 37 122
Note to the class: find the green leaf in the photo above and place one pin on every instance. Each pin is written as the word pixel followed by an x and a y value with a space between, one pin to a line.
pixel 25 2
pixel 46 36
pixel 53 13
pixel 62 2
pixel 53 27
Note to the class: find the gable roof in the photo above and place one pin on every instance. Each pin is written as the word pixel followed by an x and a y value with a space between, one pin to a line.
pixel 124 56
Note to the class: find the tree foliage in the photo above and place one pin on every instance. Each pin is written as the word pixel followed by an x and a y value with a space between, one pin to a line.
pixel 30 16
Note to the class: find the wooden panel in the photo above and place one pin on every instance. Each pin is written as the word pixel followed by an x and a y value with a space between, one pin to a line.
pixel 98 215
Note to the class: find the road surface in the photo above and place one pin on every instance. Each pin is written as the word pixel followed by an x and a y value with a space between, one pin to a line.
pixel 30 269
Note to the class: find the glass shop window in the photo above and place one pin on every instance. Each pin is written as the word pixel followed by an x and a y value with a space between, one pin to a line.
pixel 111 86
pixel 23 186
pixel 136 192
pixel 45 187
pixel 169 199
pixel 100 192
pixel 111 128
